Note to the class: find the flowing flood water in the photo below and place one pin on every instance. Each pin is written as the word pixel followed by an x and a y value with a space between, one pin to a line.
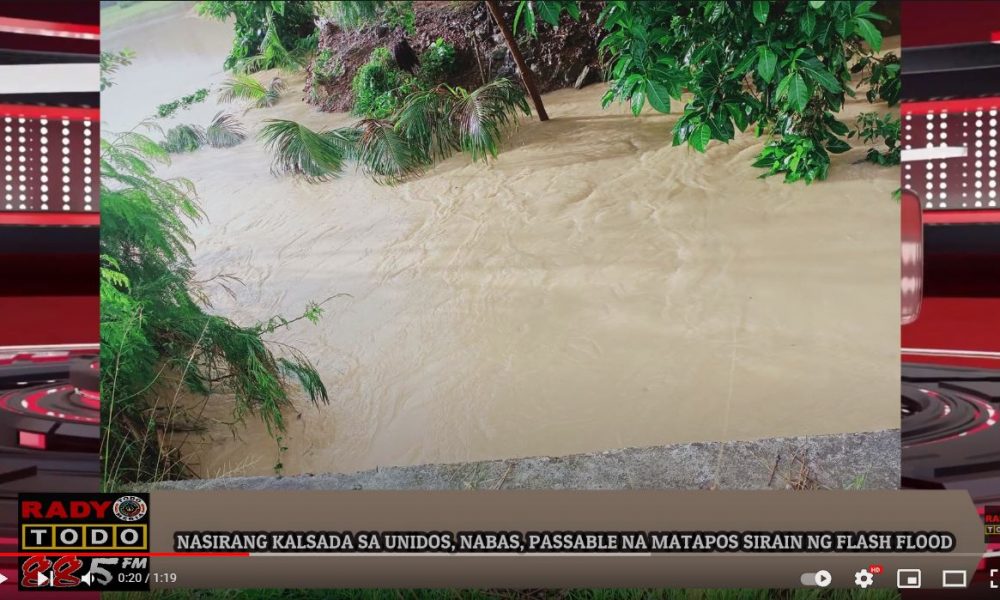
pixel 592 288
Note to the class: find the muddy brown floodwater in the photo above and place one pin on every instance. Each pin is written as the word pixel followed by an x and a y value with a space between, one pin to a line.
pixel 593 288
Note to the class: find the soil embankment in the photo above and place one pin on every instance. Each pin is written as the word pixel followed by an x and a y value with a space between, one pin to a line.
pixel 558 56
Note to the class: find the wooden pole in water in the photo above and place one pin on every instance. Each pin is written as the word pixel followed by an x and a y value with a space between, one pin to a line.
pixel 526 76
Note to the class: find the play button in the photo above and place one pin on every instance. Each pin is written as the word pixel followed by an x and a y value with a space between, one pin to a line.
pixel 3 578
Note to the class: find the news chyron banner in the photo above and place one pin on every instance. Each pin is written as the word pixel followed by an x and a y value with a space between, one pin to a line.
pixel 522 539
pixel 557 539
pixel 77 542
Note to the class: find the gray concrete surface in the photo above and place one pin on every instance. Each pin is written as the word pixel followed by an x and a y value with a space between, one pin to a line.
pixel 856 460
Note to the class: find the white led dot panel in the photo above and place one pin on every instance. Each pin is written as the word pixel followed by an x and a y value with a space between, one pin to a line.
pixel 48 160
pixel 950 154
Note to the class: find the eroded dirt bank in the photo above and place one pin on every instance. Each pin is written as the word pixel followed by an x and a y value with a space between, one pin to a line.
pixel 593 288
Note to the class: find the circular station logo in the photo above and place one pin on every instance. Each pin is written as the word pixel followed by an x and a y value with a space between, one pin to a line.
pixel 129 508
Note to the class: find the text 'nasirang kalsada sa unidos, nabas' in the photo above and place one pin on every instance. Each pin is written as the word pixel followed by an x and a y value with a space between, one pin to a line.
pixel 563 541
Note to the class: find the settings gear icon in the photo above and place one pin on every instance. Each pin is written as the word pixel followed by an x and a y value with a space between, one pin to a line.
pixel 863 579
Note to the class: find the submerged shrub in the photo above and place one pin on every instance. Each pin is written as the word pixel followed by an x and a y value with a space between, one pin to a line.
pixel 224 131
pixel 881 74
pixel 445 119
pixel 437 62
pixel 168 109
pixel 874 129
pixel 378 86
pixel 183 138
pixel 431 125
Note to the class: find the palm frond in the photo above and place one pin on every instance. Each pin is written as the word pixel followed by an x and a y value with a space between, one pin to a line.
pixel 296 149
pixel 224 131
pixel 246 88
pixel 250 64
pixel 274 52
pixel 385 155
pixel 484 115
pixel 274 90
pixel 425 122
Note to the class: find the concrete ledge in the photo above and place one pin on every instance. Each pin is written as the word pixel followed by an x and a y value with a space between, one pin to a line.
pixel 853 460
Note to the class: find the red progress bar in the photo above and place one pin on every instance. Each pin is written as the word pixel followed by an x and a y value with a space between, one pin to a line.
pixel 50 218
pixel 50 28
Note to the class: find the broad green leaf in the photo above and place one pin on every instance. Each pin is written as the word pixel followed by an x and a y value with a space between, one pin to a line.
pixel 700 137
pixel 766 63
pixel 637 100
pixel 869 32
pixel 607 98
pixel 632 82
pixel 669 79
pixel 841 27
pixel 549 10
pixel 798 92
pixel 517 13
pixel 760 10
pixel 714 10
pixel 739 117
pixel 573 8
pixel 622 66
pixel 864 7
pixel 658 96
pixel 782 89
pixel 744 65
pixel 817 3
pixel 838 127
pixel 837 146
pixel 679 136
pixel 529 18
pixel 821 75
pixel 724 127
pixel 808 22
pixel 638 51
